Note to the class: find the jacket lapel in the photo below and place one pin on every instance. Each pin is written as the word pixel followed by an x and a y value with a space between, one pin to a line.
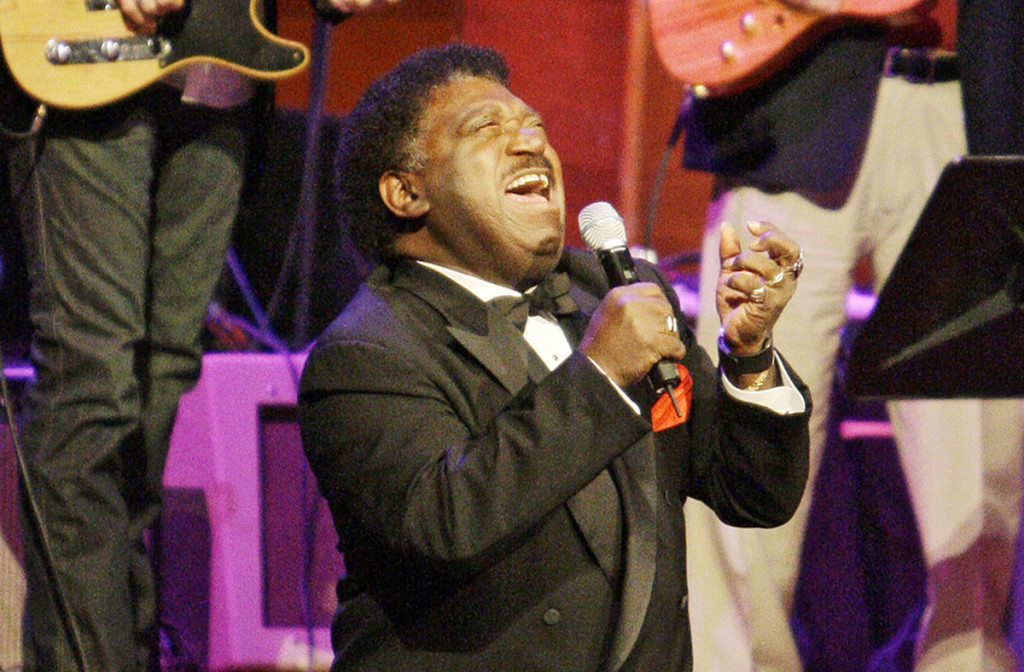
pixel 497 350
pixel 492 341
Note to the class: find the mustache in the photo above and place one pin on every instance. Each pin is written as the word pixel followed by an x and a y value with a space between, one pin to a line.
pixel 528 162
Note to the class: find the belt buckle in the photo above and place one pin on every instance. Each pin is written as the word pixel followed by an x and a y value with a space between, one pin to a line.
pixel 914 65
pixel 933 60
pixel 890 57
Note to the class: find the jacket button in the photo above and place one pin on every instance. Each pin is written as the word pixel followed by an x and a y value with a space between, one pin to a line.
pixel 552 616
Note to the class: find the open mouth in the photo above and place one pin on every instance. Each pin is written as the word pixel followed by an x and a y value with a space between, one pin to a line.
pixel 530 187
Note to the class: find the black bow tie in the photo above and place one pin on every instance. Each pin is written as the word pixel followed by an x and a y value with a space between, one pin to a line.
pixel 550 296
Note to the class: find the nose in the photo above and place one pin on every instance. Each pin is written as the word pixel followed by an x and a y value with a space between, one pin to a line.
pixel 527 140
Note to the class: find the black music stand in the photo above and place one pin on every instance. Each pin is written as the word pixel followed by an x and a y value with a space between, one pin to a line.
pixel 949 321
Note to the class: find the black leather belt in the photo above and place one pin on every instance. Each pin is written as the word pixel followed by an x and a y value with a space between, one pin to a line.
pixel 922 66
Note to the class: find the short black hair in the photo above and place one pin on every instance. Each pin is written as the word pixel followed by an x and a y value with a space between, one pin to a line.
pixel 380 132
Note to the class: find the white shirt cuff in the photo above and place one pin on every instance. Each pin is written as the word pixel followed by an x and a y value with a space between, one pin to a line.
pixel 622 393
pixel 784 399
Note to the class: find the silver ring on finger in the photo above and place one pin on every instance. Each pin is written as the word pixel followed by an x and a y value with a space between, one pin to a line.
pixel 671 325
pixel 797 267
pixel 777 280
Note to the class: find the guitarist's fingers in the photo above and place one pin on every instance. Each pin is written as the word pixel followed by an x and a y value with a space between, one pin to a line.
pixel 135 18
pixel 141 15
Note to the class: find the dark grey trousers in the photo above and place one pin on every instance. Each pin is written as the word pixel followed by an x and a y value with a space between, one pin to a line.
pixel 127 212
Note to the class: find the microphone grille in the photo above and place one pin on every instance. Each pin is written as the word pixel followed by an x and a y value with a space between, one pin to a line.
pixel 602 227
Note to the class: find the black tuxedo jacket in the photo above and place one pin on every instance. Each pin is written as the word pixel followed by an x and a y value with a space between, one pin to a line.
pixel 503 520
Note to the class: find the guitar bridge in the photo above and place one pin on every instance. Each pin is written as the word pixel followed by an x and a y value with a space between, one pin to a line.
pixel 106 50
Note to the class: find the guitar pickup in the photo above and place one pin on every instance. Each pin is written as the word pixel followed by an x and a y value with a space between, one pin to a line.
pixel 106 50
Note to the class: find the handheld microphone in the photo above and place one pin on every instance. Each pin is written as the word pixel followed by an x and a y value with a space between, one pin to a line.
pixel 604 232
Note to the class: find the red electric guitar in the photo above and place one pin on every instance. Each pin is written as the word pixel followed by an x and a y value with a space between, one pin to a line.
pixel 725 46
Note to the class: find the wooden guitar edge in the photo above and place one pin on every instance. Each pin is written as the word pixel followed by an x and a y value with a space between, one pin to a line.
pixel 277 39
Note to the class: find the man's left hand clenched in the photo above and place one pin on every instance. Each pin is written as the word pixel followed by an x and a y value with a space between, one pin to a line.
pixel 755 285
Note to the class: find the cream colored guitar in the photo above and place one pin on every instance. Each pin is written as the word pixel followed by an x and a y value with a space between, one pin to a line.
pixel 79 54
pixel 725 46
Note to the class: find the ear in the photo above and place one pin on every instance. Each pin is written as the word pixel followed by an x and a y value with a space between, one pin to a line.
pixel 402 193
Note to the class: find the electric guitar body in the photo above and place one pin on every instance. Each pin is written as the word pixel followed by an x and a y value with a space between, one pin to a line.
pixel 78 53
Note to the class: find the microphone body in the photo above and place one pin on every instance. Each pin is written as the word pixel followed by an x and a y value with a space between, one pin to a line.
pixel 604 232
pixel 618 266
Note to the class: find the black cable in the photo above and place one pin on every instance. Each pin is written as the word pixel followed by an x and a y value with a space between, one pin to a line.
pixel 21 116
pixel 35 520
pixel 673 138
pixel 32 128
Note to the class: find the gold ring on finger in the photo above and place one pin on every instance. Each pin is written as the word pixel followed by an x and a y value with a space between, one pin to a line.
pixel 757 296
